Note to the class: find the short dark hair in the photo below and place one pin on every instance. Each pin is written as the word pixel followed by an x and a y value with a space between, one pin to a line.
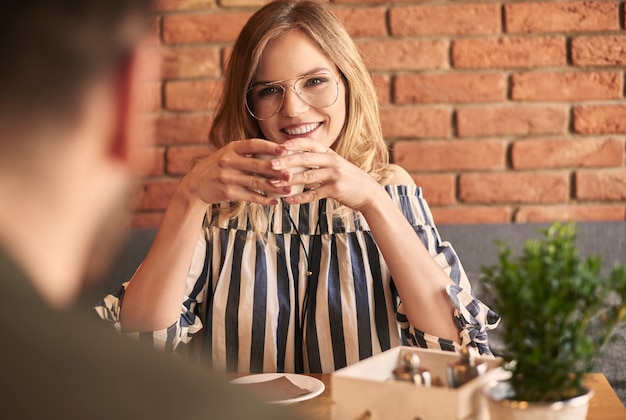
pixel 50 50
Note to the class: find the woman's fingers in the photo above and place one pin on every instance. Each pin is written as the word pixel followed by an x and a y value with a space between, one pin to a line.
pixel 219 178
pixel 295 162
pixel 305 145
pixel 254 146
pixel 258 171
pixel 329 176
pixel 254 182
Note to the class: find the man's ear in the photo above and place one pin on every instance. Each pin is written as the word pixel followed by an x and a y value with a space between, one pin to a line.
pixel 124 80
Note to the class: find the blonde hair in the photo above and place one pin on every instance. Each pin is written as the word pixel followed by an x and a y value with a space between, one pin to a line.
pixel 360 141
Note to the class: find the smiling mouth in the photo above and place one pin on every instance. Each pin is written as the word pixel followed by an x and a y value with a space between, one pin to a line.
pixel 303 129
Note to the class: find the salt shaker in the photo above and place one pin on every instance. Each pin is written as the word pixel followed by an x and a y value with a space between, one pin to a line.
pixel 464 370
pixel 409 370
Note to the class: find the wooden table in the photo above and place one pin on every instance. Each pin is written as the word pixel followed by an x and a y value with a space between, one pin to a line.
pixel 605 404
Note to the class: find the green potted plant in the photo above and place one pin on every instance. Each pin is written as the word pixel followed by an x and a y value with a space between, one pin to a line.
pixel 558 312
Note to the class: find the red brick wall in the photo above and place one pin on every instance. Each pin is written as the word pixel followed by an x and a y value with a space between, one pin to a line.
pixel 503 111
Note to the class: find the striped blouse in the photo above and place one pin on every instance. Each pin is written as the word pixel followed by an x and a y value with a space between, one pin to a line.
pixel 251 307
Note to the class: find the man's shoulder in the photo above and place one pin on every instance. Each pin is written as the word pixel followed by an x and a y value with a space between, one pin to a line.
pixel 75 365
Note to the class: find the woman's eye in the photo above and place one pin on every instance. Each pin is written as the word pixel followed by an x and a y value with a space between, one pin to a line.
pixel 316 81
pixel 266 91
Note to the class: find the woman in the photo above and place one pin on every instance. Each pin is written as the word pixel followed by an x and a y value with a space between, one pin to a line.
pixel 302 282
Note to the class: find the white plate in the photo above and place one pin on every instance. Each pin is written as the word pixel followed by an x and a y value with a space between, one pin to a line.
pixel 315 386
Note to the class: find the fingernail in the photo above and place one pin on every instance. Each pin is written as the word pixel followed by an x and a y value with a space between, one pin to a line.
pixel 274 181
pixel 288 144
pixel 287 189
pixel 275 163
pixel 273 202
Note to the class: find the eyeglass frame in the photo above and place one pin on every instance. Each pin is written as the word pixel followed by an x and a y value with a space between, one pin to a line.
pixel 284 92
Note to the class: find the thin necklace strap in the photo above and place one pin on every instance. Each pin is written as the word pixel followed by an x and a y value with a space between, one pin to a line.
pixel 301 320
pixel 320 211
pixel 306 253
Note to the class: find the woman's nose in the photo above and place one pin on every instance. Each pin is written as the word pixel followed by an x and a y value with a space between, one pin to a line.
pixel 293 105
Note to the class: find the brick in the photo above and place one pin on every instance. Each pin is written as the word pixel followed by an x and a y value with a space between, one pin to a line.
pixel 599 119
pixel 194 29
pixel 466 19
pixel 360 2
pixel 471 214
pixel 511 120
pixel 604 185
pixel 572 153
pixel 561 16
pixel 514 187
pixel 449 88
pixel 567 86
pixel 362 22
pixel 197 95
pixel 147 160
pixel 403 122
pixel 600 50
pixel 242 3
pixel 574 212
pixel 382 84
pixel 450 155
pixel 182 128
pixel 405 54
pixel 188 62
pixel 172 5
pixel 438 189
pixel 155 194
pixel 140 220
pixel 179 158
pixel 510 52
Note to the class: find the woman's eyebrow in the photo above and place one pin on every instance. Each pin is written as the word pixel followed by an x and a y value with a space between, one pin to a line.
pixel 307 73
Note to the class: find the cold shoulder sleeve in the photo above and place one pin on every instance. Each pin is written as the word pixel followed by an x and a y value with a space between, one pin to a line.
pixel 472 316
pixel 189 323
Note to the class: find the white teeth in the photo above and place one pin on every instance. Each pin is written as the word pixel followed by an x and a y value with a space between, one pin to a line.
pixel 298 131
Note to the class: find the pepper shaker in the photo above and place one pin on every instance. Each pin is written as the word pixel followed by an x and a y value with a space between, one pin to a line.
pixel 409 370
pixel 464 370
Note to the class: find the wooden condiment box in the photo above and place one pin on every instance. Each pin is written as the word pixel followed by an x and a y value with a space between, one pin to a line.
pixel 367 390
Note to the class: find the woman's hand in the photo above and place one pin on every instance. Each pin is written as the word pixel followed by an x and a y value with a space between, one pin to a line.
pixel 232 173
pixel 329 175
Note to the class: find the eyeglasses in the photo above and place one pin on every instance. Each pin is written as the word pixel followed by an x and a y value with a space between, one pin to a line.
pixel 318 90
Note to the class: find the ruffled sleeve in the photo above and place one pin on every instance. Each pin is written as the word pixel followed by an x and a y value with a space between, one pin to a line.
pixel 189 323
pixel 471 315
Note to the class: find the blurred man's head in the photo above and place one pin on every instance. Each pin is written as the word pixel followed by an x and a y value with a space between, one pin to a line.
pixel 66 79
pixel 53 50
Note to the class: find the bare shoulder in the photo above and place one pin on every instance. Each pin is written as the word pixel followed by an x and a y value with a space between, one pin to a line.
pixel 398 176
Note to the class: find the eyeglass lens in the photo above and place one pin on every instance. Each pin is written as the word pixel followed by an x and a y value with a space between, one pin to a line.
pixel 318 90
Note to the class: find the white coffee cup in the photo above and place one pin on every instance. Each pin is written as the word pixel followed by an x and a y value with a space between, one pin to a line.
pixel 295 189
